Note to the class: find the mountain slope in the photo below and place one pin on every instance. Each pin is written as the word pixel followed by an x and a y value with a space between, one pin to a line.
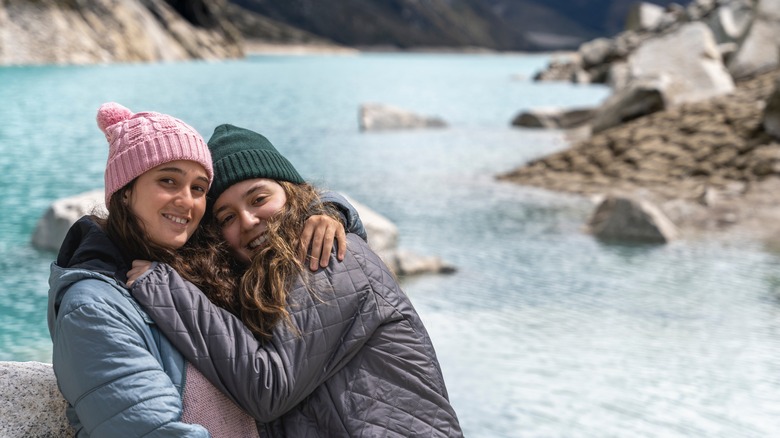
pixel 492 24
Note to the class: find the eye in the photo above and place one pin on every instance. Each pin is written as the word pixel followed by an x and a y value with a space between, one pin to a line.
pixel 225 220
pixel 168 181
pixel 199 189
pixel 259 200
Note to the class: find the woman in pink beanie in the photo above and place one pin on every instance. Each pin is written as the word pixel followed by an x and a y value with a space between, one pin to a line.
pixel 120 376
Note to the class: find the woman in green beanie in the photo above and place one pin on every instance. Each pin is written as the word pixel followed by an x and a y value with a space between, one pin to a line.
pixel 336 352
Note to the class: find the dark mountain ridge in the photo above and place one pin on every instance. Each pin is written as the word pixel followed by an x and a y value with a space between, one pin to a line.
pixel 523 25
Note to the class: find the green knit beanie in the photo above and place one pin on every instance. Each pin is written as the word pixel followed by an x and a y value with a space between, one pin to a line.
pixel 239 154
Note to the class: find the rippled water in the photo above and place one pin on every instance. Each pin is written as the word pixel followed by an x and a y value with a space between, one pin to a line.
pixel 542 332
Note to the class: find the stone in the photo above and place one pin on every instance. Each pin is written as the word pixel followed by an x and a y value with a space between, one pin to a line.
pixel 382 233
pixel 52 227
pixel 377 117
pixel 596 52
pixel 644 16
pixel 410 263
pixel 554 118
pixel 383 239
pixel 760 50
pixel 640 97
pixel 620 218
pixel 730 22
pixel 31 404
pixel 689 58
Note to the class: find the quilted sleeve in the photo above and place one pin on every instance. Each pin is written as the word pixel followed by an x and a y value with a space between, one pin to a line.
pixel 114 384
pixel 266 379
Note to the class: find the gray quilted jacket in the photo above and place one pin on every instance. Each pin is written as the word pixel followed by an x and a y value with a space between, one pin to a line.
pixel 362 364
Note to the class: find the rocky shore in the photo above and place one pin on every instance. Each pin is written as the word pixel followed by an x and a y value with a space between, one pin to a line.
pixel 711 164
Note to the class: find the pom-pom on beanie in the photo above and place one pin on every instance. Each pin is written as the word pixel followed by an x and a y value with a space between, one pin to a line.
pixel 240 154
pixel 141 141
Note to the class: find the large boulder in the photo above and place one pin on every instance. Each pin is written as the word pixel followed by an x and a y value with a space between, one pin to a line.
pixel 690 58
pixel 620 218
pixel 52 227
pixel 640 97
pixel 760 51
pixel 377 117
pixel 31 404
pixel 730 21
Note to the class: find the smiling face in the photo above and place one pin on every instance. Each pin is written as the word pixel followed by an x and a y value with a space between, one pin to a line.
pixel 242 212
pixel 169 201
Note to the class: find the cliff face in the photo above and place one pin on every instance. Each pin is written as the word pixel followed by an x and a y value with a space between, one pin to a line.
pixel 493 24
pixel 95 31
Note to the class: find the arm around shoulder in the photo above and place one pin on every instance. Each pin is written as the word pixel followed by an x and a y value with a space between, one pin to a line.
pixel 265 378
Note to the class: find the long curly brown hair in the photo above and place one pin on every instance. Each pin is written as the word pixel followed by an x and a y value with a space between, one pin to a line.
pixel 256 293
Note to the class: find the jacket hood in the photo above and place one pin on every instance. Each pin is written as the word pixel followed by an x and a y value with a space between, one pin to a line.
pixel 86 252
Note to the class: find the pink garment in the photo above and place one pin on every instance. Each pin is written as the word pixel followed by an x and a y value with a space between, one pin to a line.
pixel 139 142
pixel 204 404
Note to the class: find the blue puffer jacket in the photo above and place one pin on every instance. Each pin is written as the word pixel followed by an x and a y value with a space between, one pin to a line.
pixel 120 377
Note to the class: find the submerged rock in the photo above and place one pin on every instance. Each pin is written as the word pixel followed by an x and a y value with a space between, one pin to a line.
pixel 377 117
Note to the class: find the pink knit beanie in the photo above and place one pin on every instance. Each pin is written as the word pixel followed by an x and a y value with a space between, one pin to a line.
pixel 139 142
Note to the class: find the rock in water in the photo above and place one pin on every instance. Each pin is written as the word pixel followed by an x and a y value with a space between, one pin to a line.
pixel 376 117
pixel 55 223
pixel 633 220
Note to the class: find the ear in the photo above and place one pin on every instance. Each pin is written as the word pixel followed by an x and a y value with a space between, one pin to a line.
pixel 126 196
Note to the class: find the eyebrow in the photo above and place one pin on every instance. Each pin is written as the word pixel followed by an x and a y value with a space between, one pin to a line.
pixel 182 172
pixel 251 190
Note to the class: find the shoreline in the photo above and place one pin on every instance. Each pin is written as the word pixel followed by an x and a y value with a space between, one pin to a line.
pixel 259 47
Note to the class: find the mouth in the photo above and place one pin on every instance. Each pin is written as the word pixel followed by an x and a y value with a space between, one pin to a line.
pixel 257 242
pixel 176 219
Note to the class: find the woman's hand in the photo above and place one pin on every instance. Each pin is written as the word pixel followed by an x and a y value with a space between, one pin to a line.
pixel 319 232
pixel 139 267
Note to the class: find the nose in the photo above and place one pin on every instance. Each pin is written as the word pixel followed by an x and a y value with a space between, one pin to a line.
pixel 184 199
pixel 248 220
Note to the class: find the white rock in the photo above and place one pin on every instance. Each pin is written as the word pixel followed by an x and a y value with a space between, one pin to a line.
pixel 31 404
pixel 760 51
pixel 644 16
pixel 55 223
pixel 375 117
pixel 383 239
pixel 689 57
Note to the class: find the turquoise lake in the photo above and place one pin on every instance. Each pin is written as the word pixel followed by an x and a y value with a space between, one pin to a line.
pixel 542 332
